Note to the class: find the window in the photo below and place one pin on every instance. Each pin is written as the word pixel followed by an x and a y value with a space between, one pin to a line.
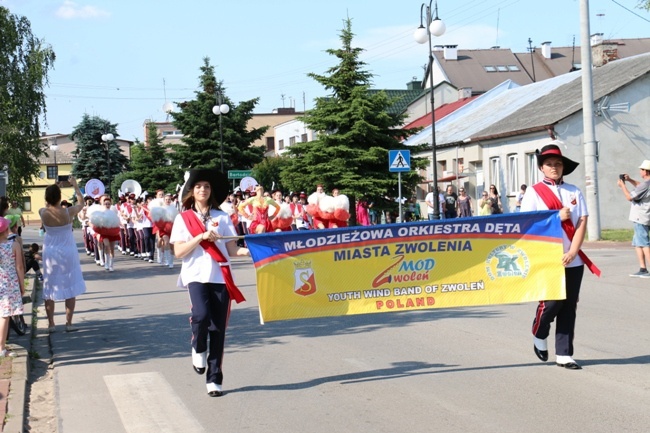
pixel 303 138
pixel 280 144
pixel 52 172
pixel 494 172
pixel 532 172
pixel 513 68
pixel 25 204
pixel 270 143
pixel 292 141
pixel 502 68
pixel 513 174
pixel 490 68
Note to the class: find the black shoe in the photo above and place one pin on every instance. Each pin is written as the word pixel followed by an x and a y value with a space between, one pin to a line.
pixel 215 393
pixel 569 366
pixel 199 370
pixel 541 354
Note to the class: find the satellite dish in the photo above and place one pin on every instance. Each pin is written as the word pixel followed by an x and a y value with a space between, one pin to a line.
pixel 168 107
pixel 41 175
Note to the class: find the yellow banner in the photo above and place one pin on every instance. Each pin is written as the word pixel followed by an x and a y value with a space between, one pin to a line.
pixel 451 263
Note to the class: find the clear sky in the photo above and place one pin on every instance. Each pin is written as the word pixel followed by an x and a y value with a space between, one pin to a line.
pixel 114 55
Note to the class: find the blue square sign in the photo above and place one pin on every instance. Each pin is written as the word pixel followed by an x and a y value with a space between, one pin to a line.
pixel 399 161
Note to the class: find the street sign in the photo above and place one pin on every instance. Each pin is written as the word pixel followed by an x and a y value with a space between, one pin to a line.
pixel 238 174
pixel 399 161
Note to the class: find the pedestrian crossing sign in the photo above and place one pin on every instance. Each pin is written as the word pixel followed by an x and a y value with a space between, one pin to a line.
pixel 399 161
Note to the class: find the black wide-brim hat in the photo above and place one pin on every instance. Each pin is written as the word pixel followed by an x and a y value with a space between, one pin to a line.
pixel 551 150
pixel 218 182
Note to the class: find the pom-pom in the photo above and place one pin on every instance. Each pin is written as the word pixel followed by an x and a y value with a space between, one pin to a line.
pixel 104 218
pixel 342 202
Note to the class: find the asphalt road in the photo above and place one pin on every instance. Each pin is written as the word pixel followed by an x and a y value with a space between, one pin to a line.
pixel 128 368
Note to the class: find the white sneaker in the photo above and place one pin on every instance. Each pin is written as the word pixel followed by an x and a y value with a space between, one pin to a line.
pixel 7 354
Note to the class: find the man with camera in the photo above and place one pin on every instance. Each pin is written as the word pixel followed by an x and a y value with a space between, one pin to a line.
pixel 639 215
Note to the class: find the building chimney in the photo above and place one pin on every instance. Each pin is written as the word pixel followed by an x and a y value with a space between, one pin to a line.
pixel 464 92
pixel 414 84
pixel 596 39
pixel 450 52
pixel 546 49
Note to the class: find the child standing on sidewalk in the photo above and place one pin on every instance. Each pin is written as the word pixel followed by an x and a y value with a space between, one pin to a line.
pixel 12 287
pixel 32 257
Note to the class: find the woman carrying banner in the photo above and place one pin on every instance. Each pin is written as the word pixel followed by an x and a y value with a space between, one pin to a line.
pixel 554 193
pixel 198 238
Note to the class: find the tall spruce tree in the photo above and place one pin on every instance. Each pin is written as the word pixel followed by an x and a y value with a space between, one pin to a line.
pixel 355 133
pixel 150 164
pixel 91 156
pixel 201 146
pixel 24 64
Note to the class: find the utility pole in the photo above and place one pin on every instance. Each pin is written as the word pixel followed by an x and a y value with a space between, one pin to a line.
pixel 589 130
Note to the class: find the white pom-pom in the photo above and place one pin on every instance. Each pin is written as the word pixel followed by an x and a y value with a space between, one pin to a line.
pixel 172 212
pixel 158 213
pixel 327 203
pixel 105 218
pixel 314 198
pixel 341 201
pixel 93 207
pixel 156 202
pixel 285 211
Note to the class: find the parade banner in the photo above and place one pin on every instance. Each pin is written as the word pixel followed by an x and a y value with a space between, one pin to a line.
pixel 498 259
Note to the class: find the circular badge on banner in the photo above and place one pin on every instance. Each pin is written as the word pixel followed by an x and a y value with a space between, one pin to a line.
pixel 94 188
pixel 247 184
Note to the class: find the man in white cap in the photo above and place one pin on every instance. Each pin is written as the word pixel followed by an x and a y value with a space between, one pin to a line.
pixel 639 215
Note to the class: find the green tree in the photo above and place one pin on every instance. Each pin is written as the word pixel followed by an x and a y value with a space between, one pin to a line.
pixel 644 4
pixel 355 133
pixel 150 164
pixel 268 172
pixel 91 155
pixel 201 146
pixel 24 64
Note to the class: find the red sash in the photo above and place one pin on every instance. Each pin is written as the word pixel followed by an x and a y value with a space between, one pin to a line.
pixel 553 203
pixel 196 227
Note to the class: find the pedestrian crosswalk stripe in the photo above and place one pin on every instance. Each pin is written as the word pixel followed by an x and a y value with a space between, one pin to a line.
pixel 147 403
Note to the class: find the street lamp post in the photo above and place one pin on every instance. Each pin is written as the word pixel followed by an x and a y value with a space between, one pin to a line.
pixel 107 138
pixel 435 27
pixel 54 147
pixel 220 109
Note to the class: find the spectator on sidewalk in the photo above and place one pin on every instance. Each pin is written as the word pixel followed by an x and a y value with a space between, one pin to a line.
pixel 639 215
pixel 12 284
pixel 32 257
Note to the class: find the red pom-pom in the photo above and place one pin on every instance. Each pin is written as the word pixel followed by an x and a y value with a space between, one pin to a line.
pixel 341 214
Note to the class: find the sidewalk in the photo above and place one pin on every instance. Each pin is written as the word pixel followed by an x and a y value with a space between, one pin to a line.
pixel 14 372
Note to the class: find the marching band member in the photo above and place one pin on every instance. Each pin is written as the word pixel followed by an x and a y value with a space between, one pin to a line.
pixel 283 220
pixel 298 213
pixel 341 212
pixel 163 218
pixel 83 219
pixel 197 236
pixel 106 224
pixel 313 207
pixel 260 219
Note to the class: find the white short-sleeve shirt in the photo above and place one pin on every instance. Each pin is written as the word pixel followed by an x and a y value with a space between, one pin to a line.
pixel 570 196
pixel 198 266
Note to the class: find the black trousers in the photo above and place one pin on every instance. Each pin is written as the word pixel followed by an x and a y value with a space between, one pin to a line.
pixel 210 312
pixel 565 312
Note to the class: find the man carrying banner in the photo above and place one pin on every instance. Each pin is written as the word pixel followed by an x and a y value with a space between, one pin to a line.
pixel 198 238
pixel 553 193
